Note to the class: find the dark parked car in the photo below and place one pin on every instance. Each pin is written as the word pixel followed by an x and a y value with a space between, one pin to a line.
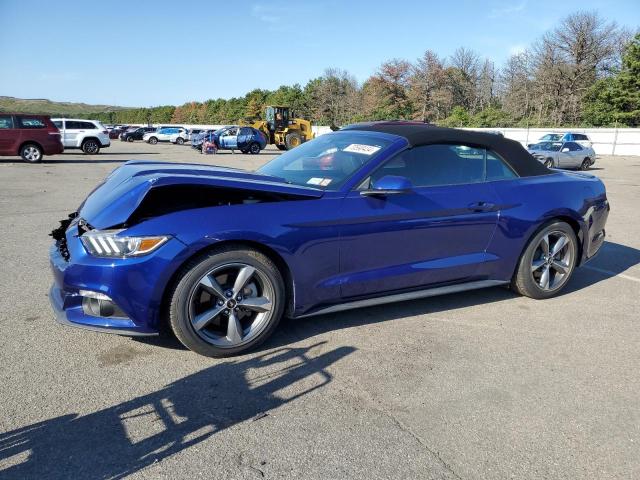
pixel 30 136
pixel 373 213
pixel 137 134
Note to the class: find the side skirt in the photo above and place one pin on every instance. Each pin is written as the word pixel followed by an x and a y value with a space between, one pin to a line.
pixel 400 297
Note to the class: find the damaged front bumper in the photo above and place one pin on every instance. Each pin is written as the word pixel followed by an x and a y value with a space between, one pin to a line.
pixel 112 295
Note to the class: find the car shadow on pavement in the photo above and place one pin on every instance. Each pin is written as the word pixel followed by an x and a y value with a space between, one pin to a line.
pixel 117 441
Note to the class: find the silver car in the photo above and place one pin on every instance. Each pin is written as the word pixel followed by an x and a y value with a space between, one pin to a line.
pixel 563 155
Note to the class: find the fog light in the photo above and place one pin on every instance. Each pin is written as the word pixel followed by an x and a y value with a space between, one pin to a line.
pixel 98 304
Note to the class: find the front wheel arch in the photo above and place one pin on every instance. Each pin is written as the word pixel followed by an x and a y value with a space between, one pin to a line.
pixel 267 251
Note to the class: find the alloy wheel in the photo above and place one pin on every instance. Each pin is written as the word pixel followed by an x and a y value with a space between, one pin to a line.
pixel 32 154
pixel 90 147
pixel 553 261
pixel 231 304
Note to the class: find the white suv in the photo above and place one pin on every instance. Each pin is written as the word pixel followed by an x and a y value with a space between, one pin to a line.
pixel 165 134
pixel 88 135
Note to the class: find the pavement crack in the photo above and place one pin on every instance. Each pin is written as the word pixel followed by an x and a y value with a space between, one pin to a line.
pixel 404 428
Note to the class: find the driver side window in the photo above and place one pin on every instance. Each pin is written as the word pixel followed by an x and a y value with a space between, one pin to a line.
pixel 435 165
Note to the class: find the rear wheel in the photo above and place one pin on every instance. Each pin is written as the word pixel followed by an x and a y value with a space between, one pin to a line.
pixel 227 302
pixel 254 148
pixel 153 140
pixel 586 163
pixel 90 146
pixel 548 261
pixel 293 140
pixel 180 141
pixel 130 139
pixel 31 153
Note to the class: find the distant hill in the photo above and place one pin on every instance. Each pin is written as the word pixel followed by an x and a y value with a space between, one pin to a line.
pixel 47 107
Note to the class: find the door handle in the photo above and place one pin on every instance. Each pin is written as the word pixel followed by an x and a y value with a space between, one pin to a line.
pixel 481 206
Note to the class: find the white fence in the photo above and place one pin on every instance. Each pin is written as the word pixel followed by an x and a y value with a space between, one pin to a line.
pixel 606 141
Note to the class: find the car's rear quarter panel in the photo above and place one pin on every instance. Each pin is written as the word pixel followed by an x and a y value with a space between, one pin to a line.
pixel 528 203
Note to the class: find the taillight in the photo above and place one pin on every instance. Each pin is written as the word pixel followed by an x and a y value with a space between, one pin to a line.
pixel 106 132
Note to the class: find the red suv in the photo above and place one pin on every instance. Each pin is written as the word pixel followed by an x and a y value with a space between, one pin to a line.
pixel 30 136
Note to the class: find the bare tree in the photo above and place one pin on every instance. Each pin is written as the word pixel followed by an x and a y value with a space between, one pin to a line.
pixel 571 57
pixel 427 90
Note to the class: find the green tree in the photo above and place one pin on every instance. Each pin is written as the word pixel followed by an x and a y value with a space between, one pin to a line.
pixel 617 99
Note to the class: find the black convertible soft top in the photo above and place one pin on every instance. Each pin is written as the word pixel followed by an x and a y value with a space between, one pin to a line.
pixel 424 134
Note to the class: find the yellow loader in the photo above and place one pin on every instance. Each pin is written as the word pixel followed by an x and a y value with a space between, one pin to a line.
pixel 281 130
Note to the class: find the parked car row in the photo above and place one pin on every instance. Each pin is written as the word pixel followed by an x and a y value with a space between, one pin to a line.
pixel 33 136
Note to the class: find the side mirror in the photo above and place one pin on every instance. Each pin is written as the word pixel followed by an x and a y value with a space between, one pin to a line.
pixel 388 185
pixel 564 150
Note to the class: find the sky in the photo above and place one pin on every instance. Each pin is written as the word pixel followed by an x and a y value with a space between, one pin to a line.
pixel 148 53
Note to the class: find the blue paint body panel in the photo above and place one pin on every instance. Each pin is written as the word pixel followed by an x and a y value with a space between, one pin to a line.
pixel 337 246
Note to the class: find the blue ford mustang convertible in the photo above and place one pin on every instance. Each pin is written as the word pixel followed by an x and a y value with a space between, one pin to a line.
pixel 373 213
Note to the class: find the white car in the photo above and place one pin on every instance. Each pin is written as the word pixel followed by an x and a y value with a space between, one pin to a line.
pixel 579 138
pixel 88 135
pixel 166 134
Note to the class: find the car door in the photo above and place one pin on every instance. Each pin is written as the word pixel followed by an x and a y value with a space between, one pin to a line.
pixel 244 138
pixel 435 233
pixel 231 138
pixel 72 132
pixel 576 154
pixel 9 136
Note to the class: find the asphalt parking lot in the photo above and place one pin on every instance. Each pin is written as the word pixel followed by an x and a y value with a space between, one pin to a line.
pixel 476 385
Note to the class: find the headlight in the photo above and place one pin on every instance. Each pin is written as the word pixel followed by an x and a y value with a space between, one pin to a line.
pixel 107 243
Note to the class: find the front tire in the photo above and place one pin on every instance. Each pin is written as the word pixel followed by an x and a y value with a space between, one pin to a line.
pixel 90 147
pixel 31 153
pixel 548 261
pixel 130 139
pixel 293 140
pixel 548 163
pixel 226 302
pixel 586 163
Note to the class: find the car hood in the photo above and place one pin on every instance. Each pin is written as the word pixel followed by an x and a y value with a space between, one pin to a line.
pixel 114 201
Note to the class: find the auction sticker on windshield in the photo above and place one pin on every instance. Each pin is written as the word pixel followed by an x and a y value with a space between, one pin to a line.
pixel 363 149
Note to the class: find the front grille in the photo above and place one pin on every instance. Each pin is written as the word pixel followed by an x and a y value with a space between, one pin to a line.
pixel 59 235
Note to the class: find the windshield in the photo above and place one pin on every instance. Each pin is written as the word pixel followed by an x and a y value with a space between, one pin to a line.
pixel 549 146
pixel 551 137
pixel 327 161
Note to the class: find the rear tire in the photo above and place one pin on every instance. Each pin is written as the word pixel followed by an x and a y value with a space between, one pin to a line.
pixel 544 271
pixel 254 148
pixel 130 139
pixel 90 147
pixel 209 294
pixel 153 140
pixel 180 141
pixel 586 163
pixel 31 153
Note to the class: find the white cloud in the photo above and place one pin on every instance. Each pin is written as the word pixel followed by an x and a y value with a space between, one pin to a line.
pixel 507 9
pixel 264 13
